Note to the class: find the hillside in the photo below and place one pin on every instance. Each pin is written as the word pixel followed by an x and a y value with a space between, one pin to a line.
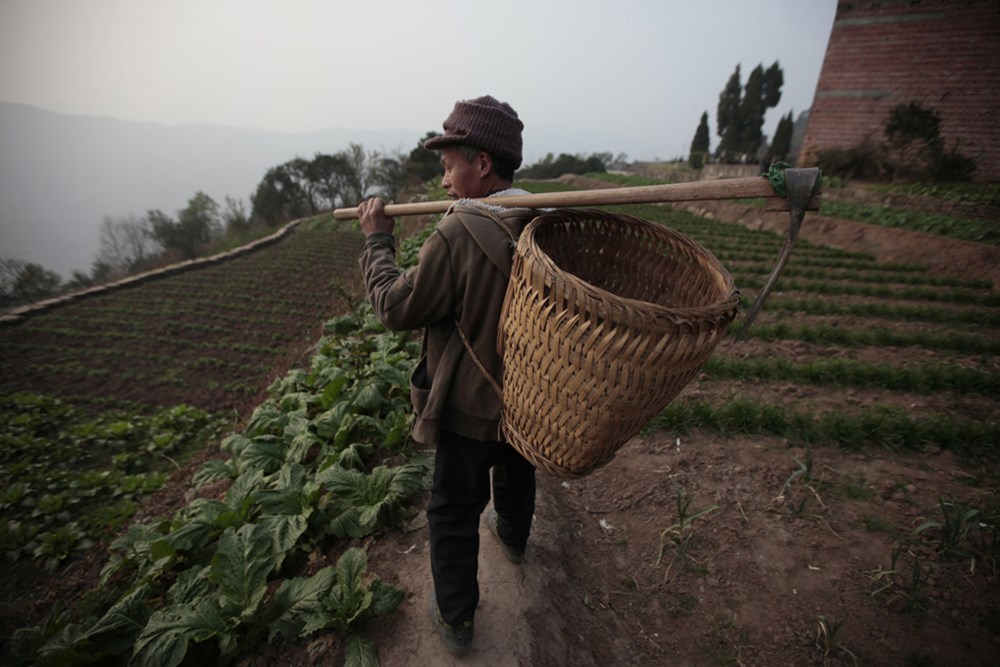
pixel 824 491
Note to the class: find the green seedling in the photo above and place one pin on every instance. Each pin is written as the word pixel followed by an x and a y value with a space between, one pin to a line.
pixel 806 475
pixel 911 587
pixel 827 641
pixel 951 535
pixel 679 534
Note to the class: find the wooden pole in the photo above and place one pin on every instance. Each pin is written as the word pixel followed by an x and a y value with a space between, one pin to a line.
pixel 731 188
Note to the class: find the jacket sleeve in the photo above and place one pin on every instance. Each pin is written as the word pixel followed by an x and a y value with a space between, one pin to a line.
pixel 413 299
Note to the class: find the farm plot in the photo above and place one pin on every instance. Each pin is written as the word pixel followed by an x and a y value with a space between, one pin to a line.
pixel 102 399
pixel 824 493
pixel 211 338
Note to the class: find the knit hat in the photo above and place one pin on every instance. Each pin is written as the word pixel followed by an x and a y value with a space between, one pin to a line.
pixel 483 123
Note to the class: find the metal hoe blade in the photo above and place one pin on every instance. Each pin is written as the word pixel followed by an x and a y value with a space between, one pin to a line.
pixel 800 184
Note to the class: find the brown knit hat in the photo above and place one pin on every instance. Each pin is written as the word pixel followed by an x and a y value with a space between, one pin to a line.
pixel 483 123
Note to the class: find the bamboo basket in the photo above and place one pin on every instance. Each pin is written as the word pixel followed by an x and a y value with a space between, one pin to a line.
pixel 607 317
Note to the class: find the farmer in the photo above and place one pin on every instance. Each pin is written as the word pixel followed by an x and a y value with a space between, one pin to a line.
pixel 456 293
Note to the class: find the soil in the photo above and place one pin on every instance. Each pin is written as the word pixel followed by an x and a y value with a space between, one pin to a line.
pixel 611 577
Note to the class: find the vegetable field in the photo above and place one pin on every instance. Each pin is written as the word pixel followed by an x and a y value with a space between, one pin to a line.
pixel 823 493
pixel 210 338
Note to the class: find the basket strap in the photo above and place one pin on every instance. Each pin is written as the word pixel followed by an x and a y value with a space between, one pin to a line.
pixel 479 362
pixel 468 346
pixel 472 233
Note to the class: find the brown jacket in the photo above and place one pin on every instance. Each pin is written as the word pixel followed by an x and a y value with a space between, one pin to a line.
pixel 461 276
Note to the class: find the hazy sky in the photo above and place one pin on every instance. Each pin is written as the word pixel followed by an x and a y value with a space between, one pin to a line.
pixel 642 70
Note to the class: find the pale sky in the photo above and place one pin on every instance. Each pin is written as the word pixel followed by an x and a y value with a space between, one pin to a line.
pixel 639 70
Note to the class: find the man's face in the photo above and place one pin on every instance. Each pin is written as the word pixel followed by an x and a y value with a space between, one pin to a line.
pixel 462 179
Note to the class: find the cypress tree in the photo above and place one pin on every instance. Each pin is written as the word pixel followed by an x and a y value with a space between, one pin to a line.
pixel 782 141
pixel 752 113
pixel 700 143
pixel 727 116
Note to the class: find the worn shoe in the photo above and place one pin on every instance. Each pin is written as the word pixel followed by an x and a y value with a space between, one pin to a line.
pixel 515 556
pixel 457 639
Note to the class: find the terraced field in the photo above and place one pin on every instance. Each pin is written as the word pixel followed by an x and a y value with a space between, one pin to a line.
pixel 825 491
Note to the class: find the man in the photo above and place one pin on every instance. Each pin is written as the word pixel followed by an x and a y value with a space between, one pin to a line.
pixel 456 294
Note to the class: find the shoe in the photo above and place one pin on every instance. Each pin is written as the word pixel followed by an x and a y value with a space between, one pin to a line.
pixel 515 556
pixel 457 639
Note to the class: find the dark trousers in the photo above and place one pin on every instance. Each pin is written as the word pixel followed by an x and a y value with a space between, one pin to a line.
pixel 460 493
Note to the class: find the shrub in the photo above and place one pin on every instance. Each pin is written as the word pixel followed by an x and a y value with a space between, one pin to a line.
pixel 863 161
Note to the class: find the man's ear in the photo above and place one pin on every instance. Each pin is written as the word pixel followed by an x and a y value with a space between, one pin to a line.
pixel 485 164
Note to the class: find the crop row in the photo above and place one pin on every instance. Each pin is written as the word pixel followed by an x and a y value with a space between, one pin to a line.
pixel 942 295
pixel 882 310
pixel 922 379
pixel 880 427
pixel 863 276
pixel 980 231
pixel 216 336
pixel 826 334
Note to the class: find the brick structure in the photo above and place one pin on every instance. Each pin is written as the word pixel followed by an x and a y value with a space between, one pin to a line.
pixel 943 54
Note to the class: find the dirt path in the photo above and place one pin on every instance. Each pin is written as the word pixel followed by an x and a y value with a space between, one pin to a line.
pixel 515 620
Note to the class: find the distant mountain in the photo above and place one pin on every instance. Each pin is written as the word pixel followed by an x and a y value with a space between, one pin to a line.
pixel 61 174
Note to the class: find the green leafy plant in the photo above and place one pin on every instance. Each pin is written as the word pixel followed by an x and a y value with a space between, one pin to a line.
pixel 69 477
pixel 360 504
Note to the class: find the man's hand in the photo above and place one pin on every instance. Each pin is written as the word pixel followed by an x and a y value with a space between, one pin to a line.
pixel 373 219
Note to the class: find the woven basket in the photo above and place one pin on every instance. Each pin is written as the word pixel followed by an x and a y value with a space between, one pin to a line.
pixel 607 317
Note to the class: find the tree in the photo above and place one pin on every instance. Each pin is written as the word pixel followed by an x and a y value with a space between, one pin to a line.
pixel 751 121
pixel 335 181
pixel 125 244
pixel 700 143
pixel 196 224
pixel 782 142
pixel 423 164
pixel 25 282
pixel 727 117
pixel 357 172
pixel 278 198
pixel 554 167
pixel 388 175
pixel 79 280
pixel 740 118
pixel 9 270
pixel 235 216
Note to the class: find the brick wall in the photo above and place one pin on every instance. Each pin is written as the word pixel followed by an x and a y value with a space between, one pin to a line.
pixel 944 54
